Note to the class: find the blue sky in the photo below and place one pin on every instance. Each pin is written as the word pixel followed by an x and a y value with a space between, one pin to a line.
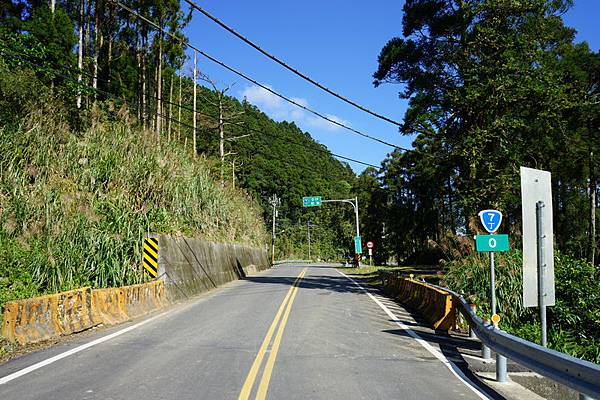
pixel 336 43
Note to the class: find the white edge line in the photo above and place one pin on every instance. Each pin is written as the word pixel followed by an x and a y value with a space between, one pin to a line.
pixel 68 353
pixel 449 364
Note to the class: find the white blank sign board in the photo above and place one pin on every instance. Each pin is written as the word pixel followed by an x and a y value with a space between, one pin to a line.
pixel 536 186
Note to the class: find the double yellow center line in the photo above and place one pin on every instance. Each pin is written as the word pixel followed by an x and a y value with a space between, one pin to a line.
pixel 284 309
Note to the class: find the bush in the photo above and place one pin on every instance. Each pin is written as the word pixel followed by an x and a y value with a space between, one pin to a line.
pixel 573 323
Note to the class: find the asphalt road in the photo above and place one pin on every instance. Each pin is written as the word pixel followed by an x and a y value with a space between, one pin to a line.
pixel 272 335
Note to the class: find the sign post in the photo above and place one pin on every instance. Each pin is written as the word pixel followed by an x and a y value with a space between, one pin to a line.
pixel 314 201
pixel 538 247
pixel 491 220
pixel 357 245
pixel 370 246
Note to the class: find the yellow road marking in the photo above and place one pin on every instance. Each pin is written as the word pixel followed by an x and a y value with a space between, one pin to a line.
pixel 249 382
pixel 268 371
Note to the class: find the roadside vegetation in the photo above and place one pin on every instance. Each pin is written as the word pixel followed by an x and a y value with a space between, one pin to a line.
pixel 76 199
pixel 573 323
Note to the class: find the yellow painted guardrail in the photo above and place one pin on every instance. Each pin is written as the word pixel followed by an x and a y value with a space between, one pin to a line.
pixel 45 317
pixel 434 305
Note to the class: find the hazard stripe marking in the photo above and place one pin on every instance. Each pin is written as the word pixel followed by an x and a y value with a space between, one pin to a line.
pixel 150 256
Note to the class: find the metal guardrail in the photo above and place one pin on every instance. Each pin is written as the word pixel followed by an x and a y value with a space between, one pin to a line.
pixel 570 371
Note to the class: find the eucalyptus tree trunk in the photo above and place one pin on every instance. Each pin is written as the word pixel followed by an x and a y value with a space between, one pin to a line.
pixel 179 111
pixel 144 75
pixel 170 109
pixel 593 195
pixel 80 53
pixel 159 115
pixel 97 44
pixel 138 54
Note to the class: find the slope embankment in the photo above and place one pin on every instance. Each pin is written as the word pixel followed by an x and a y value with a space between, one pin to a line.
pixel 75 206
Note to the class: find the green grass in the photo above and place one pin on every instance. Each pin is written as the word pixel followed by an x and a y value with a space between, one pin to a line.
pixel 74 207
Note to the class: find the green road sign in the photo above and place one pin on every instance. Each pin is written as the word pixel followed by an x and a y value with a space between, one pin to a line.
pixel 312 201
pixel 491 242
pixel 357 245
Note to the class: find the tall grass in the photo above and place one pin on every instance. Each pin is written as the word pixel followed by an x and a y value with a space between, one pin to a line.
pixel 74 207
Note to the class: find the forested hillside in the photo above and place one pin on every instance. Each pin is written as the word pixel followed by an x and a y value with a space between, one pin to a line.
pixel 491 86
pixel 97 59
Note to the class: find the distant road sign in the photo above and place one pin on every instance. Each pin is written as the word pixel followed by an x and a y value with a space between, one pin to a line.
pixel 490 219
pixel 311 201
pixel 370 245
pixel 491 243
pixel 357 245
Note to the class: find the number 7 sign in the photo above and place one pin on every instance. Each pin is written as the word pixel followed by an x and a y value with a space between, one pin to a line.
pixel 490 219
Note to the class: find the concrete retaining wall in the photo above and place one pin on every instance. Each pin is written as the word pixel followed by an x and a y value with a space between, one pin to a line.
pixel 191 266
pixel 187 267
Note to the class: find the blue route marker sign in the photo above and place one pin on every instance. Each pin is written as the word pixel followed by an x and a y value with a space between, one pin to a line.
pixel 490 219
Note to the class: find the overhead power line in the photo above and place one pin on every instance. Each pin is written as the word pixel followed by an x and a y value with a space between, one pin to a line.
pixel 287 66
pixel 25 58
pixel 249 79
pixel 215 118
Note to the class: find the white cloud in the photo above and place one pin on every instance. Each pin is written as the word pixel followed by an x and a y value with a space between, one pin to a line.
pixel 320 123
pixel 280 109
pixel 262 97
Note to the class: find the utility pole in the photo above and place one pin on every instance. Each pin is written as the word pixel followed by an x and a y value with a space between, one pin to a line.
pixel 194 104
pixel 275 202
pixel 308 232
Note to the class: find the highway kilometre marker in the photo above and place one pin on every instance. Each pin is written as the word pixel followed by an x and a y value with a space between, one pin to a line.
pixel 491 243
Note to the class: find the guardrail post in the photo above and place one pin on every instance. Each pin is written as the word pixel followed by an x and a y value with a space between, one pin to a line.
pixel 471 331
pixel 486 353
pixel 501 370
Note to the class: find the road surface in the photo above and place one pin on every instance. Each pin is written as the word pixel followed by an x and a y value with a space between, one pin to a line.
pixel 292 332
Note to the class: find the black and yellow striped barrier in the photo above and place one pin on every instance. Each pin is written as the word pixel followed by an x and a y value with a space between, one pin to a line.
pixel 151 256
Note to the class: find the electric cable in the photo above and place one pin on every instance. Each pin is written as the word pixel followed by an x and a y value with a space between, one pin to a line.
pixel 287 66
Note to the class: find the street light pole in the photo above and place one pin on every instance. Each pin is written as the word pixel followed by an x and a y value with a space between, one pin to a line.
pixel 354 203
pixel 308 226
